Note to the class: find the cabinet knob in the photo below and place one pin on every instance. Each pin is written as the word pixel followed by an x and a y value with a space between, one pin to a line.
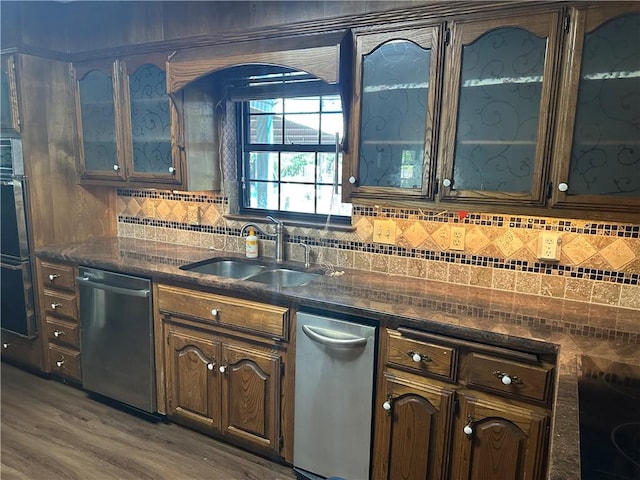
pixel 468 428
pixel 446 182
pixel 222 369
pixel 60 363
pixel 56 305
pixel 211 366
pixel 58 333
pixel 214 312
pixel 5 345
pixel 563 187
pixel 172 169
pixel 352 180
pixel 418 357
pixel 116 167
pixel 387 405
pixel 53 276
pixel 505 378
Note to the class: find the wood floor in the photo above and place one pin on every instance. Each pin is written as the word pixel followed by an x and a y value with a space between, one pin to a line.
pixel 54 431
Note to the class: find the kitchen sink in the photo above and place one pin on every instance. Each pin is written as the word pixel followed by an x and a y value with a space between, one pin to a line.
pixel 224 268
pixel 248 270
pixel 283 277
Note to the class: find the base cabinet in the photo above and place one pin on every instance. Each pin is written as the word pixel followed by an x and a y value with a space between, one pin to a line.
pixel 431 425
pixel 494 439
pixel 221 379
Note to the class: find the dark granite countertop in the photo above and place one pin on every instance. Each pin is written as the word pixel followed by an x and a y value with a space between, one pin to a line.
pixel 514 320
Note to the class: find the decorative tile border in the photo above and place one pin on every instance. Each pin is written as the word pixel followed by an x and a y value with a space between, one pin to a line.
pixel 171 195
pixel 432 255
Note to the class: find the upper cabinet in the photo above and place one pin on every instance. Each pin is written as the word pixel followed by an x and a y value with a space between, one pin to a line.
pixel 395 97
pixel 131 132
pixel 598 138
pixel 9 113
pixel 499 77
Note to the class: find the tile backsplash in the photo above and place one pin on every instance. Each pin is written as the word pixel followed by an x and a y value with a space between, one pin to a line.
pixel 599 263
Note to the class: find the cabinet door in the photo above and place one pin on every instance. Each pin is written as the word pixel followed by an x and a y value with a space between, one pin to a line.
pixel 413 430
pixel 192 383
pixel 100 156
pixel 499 75
pixel 251 391
pixel 147 121
pixel 395 95
pixel 9 113
pixel 599 129
pixel 494 439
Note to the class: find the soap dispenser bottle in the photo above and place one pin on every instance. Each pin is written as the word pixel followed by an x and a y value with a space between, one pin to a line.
pixel 251 246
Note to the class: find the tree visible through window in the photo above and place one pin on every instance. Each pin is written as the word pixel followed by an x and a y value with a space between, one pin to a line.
pixel 288 154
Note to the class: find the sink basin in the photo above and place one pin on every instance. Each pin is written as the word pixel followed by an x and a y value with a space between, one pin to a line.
pixel 283 277
pixel 225 268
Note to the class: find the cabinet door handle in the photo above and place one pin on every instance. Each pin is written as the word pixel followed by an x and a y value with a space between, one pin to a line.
pixel 507 379
pixel 6 345
pixel 172 169
pixel 55 305
pixel 563 187
pixel 468 428
pixel 446 182
pixel 58 333
pixel 60 363
pixel 223 368
pixel 214 312
pixel 419 357
pixel 211 366
pixel 388 404
pixel 116 167
pixel 53 276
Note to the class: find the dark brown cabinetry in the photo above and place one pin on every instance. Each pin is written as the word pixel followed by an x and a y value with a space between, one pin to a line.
pixel 496 108
pixel 219 380
pixel 131 132
pixel 598 135
pixel 455 409
pixel 59 313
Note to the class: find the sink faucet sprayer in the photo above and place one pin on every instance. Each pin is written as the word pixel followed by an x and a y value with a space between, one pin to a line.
pixel 278 236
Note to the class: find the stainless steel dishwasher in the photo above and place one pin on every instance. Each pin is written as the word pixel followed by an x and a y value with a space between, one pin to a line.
pixel 116 335
pixel 335 362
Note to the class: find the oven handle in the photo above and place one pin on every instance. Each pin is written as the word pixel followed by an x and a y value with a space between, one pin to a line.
pixel 8 266
pixel 347 341
pixel 111 288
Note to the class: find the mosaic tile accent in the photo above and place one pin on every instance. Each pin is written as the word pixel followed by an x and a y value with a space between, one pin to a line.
pixel 600 262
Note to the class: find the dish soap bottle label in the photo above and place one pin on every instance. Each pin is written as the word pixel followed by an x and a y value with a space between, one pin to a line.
pixel 251 246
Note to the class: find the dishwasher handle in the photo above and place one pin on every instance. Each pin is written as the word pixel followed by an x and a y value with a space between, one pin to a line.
pixel 114 289
pixel 342 340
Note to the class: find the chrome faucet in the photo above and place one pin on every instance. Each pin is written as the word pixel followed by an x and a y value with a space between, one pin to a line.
pixel 278 236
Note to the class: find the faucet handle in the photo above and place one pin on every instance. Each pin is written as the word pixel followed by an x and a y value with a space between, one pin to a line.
pixel 274 220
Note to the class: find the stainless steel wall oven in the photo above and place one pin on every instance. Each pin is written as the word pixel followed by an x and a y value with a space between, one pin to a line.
pixel 18 313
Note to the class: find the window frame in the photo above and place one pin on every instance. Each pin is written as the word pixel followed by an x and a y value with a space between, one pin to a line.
pixel 245 147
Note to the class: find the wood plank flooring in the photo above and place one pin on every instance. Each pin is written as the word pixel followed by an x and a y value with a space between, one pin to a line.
pixel 50 430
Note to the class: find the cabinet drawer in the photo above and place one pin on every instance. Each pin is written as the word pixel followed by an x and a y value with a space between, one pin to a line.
pixel 421 357
pixel 59 303
pixel 256 317
pixel 58 276
pixel 63 331
pixel 64 361
pixel 532 382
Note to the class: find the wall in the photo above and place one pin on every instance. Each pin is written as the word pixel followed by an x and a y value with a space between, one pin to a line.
pixel 600 262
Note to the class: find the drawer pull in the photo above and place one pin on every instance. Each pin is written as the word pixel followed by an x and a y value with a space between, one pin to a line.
pixel 58 333
pixel 507 379
pixel 53 276
pixel 56 305
pixel 468 428
pixel 418 357
pixel 60 363
pixel 214 312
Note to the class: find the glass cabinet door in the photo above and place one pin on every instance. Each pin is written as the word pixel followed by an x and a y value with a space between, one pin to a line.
pixel 394 119
pixel 150 129
pixel 99 155
pixel 496 109
pixel 9 117
pixel 598 147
